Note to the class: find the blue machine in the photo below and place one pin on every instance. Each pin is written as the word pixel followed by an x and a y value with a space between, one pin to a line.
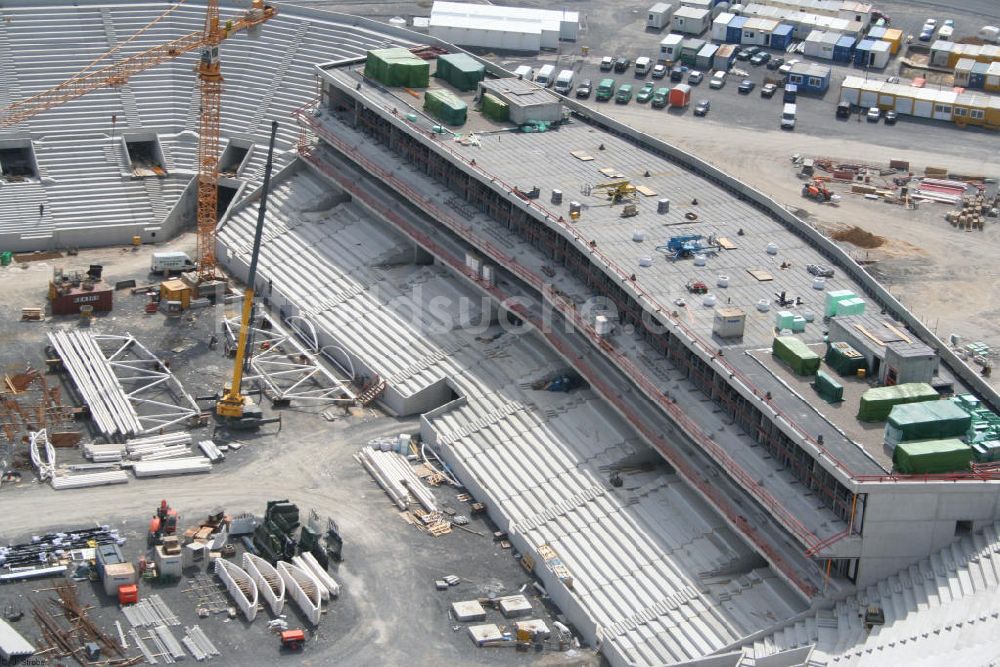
pixel 679 247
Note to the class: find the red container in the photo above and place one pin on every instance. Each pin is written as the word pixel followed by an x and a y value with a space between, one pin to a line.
pixel 128 594
pixel 68 301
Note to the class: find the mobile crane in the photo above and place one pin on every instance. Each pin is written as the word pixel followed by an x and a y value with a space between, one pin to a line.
pixel 210 80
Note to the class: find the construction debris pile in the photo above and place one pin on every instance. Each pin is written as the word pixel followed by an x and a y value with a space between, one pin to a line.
pixel 68 632
pixel 53 553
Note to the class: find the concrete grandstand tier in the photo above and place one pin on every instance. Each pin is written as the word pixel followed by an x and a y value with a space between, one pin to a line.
pixel 651 570
pixel 90 197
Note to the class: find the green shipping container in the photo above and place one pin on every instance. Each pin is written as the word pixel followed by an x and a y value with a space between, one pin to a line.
pixel 829 389
pixel 397 67
pixel 445 106
pixel 926 420
pixel 844 359
pixel 932 456
pixel 877 403
pixel 495 108
pixel 796 354
pixel 460 70
pixel 6 257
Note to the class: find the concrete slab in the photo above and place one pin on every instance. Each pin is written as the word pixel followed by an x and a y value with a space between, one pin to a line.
pixel 513 606
pixel 482 634
pixel 535 627
pixel 467 611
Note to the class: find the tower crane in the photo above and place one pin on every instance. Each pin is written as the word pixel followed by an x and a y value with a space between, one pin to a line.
pixel 116 74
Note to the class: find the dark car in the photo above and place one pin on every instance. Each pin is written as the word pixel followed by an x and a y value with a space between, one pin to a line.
pixel 702 108
pixel 745 54
pixel 775 63
pixel 584 89
pixel 891 117
pixel 768 90
pixel 760 58
pixel 844 110
pixel 677 74
pixel 622 64
pixel 746 85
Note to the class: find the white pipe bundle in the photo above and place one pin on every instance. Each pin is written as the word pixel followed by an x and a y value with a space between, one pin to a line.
pixel 183 466
pixel 163 453
pixel 103 453
pixel 89 479
pixel 395 475
pixel 163 439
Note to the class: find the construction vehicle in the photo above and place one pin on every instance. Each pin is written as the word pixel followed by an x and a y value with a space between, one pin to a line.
pixel 237 409
pixel 617 191
pixel 117 74
pixel 293 640
pixel 679 247
pixel 163 523
pixel 816 190
pixel 696 287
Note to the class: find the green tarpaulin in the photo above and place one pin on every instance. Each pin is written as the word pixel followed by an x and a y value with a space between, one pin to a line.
pixel 460 70
pixel 844 359
pixel 495 108
pixel 445 106
pixel 878 402
pixel 932 456
pixel 829 389
pixel 796 354
pixel 397 67
pixel 926 420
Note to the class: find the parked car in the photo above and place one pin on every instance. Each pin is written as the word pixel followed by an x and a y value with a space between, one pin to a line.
pixel 624 95
pixel 760 58
pixel 660 98
pixel 746 85
pixel 891 117
pixel 946 31
pixel 787 67
pixel 768 90
pixel 622 64
pixel 607 63
pixel 702 108
pixel 677 74
pixel 644 94
pixel 584 89
pixel 844 110
pixel 775 63
pixel 745 54
pixel 926 34
pixel 695 77
pixel 718 80
pixel 874 113
pixel 659 71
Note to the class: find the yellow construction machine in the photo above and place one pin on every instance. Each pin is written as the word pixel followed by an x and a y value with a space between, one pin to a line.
pixel 617 191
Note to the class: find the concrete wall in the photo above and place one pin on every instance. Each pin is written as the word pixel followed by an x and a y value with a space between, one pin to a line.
pixel 906 522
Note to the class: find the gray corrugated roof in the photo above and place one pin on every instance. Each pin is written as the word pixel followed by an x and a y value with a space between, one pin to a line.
pixel 12 644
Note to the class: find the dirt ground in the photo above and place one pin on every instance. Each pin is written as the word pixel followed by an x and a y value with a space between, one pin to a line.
pixel 946 277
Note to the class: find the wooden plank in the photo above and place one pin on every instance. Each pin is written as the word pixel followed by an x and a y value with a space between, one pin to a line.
pixel 581 156
pixel 898 332
pixel 644 191
pixel 872 336
pixel 761 275
pixel 725 243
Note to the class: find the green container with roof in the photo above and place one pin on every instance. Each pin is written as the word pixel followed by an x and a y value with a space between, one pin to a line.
pixel 796 354
pixel 932 456
pixel 397 67
pixel 926 420
pixel 877 403
pixel 844 359
pixel 460 70
pixel 495 108
pixel 446 106
pixel 829 389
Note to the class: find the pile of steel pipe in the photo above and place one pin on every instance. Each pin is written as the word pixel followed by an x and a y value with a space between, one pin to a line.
pixel 43 548
pixel 395 475
pixel 96 381
pixel 211 450
pixel 103 453
pixel 199 644
pixel 89 479
pixel 182 466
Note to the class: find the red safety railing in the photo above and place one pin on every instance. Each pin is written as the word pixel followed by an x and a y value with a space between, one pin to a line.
pixel 596 381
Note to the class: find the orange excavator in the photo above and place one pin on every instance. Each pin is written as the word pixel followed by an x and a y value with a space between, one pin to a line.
pixel 163 523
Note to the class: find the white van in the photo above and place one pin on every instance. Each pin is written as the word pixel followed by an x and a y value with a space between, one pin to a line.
pixel 788 117
pixel 718 80
pixel 546 75
pixel 643 65
pixel 564 82
pixel 526 72
pixel 171 262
